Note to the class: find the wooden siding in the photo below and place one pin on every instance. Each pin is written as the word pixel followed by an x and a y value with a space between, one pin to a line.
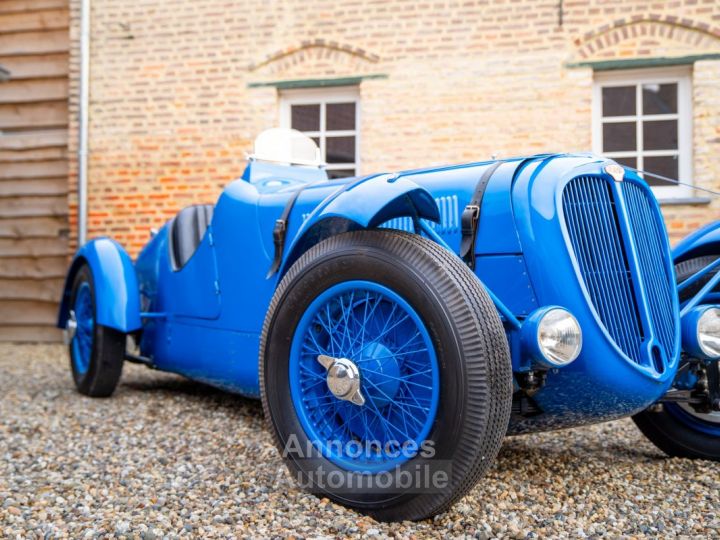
pixel 34 42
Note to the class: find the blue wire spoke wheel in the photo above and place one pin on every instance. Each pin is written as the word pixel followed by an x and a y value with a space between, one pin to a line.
pixel 383 337
pixel 84 318
pixel 97 352
pixel 383 359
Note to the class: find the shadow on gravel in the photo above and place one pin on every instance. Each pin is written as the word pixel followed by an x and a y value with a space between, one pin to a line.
pixel 516 448
pixel 566 450
pixel 200 393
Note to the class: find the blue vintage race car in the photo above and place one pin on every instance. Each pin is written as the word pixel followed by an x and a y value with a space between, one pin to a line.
pixel 397 326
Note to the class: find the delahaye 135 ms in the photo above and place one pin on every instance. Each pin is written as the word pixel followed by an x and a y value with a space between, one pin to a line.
pixel 398 325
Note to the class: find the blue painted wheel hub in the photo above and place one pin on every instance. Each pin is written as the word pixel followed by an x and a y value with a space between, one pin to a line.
pixel 364 376
pixel 84 318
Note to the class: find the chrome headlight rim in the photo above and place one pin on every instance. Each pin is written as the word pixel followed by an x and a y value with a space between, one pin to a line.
pixel 691 330
pixel 533 339
pixel 711 311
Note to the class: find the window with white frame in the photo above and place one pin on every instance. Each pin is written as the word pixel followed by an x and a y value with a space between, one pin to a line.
pixel 643 118
pixel 331 118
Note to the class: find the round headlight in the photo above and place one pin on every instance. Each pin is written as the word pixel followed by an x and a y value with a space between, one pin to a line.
pixel 708 332
pixel 559 337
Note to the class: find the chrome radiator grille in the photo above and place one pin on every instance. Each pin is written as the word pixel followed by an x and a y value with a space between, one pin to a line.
pixel 602 253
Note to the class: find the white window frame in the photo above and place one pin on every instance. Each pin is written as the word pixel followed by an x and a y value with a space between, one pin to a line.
pixel 322 97
pixel 637 77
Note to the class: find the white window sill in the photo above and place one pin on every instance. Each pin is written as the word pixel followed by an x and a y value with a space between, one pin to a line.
pixel 677 201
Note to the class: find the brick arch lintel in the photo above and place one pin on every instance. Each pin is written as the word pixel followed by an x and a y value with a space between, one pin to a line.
pixel 610 33
pixel 315 43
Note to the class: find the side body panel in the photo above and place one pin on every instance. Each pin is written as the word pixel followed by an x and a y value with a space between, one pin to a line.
pixel 225 280
pixel 208 316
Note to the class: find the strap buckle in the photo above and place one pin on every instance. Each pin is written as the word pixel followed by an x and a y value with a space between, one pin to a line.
pixel 279 229
pixel 469 218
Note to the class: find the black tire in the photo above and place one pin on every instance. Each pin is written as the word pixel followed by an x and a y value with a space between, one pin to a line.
pixel 470 343
pixel 685 269
pixel 676 438
pixel 108 349
pixel 663 428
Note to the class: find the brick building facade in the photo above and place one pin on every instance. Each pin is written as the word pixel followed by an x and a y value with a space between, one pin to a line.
pixel 179 89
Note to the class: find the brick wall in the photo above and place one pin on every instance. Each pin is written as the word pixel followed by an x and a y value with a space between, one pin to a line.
pixel 172 113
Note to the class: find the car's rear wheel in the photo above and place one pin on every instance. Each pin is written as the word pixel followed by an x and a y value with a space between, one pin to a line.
pixel 385 374
pixel 96 352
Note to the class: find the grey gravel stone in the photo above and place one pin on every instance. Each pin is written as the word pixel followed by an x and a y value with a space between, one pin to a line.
pixel 170 458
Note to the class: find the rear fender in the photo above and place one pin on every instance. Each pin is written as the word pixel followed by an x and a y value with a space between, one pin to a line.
pixel 117 295
pixel 363 204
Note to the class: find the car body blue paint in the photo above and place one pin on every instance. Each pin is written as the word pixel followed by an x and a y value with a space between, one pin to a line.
pixel 704 241
pixel 508 276
pixel 212 333
pixel 365 203
pixel 114 280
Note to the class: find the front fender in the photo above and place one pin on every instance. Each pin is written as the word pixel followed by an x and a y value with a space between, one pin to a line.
pixel 704 241
pixel 117 296
pixel 364 204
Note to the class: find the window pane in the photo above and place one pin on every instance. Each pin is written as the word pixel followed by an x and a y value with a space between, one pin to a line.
pixel 627 161
pixel 340 116
pixel 620 136
pixel 659 98
pixel 305 117
pixel 661 135
pixel 618 101
pixel 340 149
pixel 340 173
pixel 663 165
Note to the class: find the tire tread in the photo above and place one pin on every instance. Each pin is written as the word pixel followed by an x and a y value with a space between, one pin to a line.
pixel 481 336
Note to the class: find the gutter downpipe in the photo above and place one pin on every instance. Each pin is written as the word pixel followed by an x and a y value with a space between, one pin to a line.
pixel 83 127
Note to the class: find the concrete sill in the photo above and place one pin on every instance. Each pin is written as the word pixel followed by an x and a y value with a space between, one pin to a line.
pixel 685 200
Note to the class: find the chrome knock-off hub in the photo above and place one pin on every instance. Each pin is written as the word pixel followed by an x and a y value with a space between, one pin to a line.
pixel 70 327
pixel 343 378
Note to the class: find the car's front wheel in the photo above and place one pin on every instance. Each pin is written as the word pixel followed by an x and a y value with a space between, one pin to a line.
pixel 385 374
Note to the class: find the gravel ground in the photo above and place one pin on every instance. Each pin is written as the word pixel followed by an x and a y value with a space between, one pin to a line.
pixel 166 457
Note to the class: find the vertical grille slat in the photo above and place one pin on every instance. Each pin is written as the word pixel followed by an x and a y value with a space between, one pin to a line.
pixel 649 238
pixel 623 296
pixel 592 221
pixel 597 260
